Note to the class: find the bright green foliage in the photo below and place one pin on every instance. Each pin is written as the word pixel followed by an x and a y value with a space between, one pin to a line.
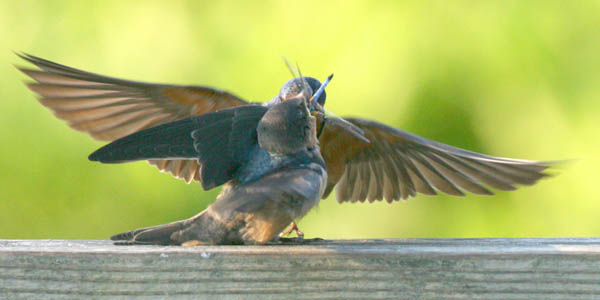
pixel 509 78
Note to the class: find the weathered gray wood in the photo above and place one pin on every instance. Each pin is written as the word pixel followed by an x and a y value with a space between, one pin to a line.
pixel 554 268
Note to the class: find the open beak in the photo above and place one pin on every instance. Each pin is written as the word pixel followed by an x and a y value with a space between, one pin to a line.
pixel 312 101
pixel 334 120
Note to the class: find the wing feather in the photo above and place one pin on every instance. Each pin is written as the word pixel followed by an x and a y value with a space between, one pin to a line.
pixel 110 108
pixel 397 165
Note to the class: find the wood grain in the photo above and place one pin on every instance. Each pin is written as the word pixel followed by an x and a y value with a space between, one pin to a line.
pixel 546 268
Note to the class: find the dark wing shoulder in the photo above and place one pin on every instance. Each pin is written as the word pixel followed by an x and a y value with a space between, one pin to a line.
pixel 223 146
pixel 397 165
pixel 109 108
pixel 217 141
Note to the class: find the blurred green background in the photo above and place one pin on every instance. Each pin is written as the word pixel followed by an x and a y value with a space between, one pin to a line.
pixel 510 78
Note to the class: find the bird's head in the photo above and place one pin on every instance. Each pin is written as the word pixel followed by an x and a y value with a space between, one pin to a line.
pixel 312 92
pixel 287 128
pixel 308 88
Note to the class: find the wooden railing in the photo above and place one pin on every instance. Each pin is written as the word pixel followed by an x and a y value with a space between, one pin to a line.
pixel 546 268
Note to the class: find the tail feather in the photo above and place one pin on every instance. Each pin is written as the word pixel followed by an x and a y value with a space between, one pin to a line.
pixel 155 235
pixel 166 234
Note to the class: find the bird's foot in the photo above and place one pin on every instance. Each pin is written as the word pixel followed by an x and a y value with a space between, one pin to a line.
pixel 293 227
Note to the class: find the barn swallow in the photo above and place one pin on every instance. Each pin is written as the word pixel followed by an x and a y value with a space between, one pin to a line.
pixel 267 157
pixel 364 160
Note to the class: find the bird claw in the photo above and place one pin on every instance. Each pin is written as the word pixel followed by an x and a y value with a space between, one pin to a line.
pixel 293 228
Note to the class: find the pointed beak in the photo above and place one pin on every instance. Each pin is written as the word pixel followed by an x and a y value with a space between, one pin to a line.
pixel 318 93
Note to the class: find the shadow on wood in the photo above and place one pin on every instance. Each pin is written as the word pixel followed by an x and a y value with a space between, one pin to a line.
pixel 549 268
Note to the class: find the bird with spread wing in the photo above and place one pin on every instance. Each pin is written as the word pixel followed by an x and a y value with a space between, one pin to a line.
pixel 364 160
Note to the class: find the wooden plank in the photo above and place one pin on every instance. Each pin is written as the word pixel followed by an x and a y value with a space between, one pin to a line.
pixel 547 268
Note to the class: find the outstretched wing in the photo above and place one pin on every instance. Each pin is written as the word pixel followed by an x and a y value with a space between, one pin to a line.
pixel 219 141
pixel 397 165
pixel 109 108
